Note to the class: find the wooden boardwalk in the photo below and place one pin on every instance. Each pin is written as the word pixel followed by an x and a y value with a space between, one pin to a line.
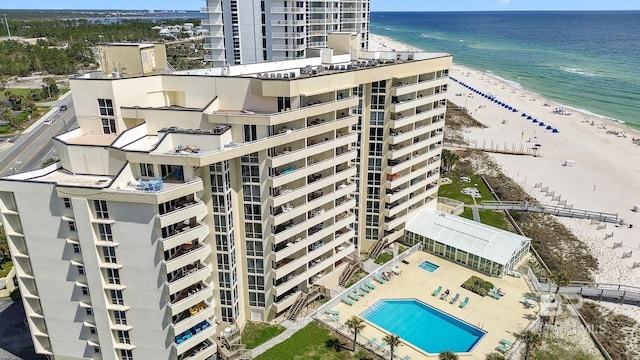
pixel 599 291
pixel 552 210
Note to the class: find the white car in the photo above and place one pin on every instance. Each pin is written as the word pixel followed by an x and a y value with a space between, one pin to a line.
pixel 47 122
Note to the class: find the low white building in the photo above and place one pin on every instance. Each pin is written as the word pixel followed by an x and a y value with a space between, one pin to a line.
pixel 481 247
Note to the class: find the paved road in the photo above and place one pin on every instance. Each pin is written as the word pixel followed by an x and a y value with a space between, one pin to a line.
pixel 29 150
pixel 15 340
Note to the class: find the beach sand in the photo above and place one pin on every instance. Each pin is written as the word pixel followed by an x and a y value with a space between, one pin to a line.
pixel 604 178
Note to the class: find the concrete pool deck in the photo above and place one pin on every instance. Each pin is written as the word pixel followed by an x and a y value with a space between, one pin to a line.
pixel 501 319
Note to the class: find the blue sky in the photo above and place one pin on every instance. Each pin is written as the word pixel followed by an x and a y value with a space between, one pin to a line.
pixel 376 5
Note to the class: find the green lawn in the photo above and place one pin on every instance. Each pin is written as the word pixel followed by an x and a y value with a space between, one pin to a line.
pixel 494 218
pixel 359 275
pixel 6 267
pixel 453 190
pixel 467 213
pixel 256 333
pixel 313 342
pixel 20 92
pixel 5 129
pixel 383 258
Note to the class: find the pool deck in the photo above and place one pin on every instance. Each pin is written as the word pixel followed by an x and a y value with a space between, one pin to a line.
pixel 501 319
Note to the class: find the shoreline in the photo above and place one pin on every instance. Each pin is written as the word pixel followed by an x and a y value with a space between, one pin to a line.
pixel 604 176
pixel 385 43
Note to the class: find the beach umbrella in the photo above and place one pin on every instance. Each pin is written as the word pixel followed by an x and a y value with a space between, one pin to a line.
pixel 529 117
pixel 535 120
pixel 541 124
pixel 523 114
pixel 549 127
pixel 514 110
pixel 555 131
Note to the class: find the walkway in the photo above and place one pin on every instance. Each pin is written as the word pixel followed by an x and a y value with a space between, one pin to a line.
pixel 476 214
pixel 599 291
pixel 552 210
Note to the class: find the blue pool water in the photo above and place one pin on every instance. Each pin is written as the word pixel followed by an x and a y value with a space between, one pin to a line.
pixel 429 266
pixel 423 326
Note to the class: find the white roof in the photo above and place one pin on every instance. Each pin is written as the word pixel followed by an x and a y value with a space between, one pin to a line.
pixel 473 237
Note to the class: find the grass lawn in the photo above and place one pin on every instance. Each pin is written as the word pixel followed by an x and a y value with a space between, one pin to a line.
pixel 467 213
pixel 454 190
pixel 494 218
pixel 6 267
pixel 20 92
pixel 359 275
pixel 257 333
pixel 383 258
pixel 5 129
pixel 314 342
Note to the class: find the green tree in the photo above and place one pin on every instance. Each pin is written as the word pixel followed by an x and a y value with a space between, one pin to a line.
pixel 545 320
pixel 495 356
pixel 448 355
pixel 560 278
pixel 4 247
pixel 8 116
pixel 449 159
pixel 355 324
pixel 393 341
pixel 49 86
pixel 531 342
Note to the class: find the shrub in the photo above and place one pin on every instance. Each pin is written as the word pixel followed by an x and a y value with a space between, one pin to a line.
pixel 477 285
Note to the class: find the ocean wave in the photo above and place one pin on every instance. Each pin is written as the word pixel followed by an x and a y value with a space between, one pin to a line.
pixel 579 72
pixel 511 83
pixel 589 113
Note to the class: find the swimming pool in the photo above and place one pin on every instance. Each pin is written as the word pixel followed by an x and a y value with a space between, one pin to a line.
pixel 429 266
pixel 423 326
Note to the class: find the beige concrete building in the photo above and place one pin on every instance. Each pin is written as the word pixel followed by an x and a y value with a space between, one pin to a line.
pixel 132 59
pixel 219 195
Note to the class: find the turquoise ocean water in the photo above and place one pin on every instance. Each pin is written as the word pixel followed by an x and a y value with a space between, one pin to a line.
pixel 584 60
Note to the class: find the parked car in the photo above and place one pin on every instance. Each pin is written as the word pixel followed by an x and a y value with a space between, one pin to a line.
pixel 47 122
pixel 63 108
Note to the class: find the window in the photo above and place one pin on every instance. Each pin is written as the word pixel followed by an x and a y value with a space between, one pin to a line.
pixel 253 230
pixel 76 248
pixel 224 279
pixel 126 354
pixel 109 254
pixel 250 174
pixel 113 276
pixel 67 203
pixel 255 266
pixel 96 349
pixel 80 270
pixel 256 299
pixel 88 311
pixel 85 290
pixel 250 133
pixel 108 126
pixel 105 232
pixel 116 297
pixel 146 170
pixel 106 107
pixel 120 317
pixel 101 209
pixel 92 330
pixel 256 282
pixel 72 226
pixel 284 103
pixel 252 212
pixel 123 337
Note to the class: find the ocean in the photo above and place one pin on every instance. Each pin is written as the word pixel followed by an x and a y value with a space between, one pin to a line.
pixel 582 60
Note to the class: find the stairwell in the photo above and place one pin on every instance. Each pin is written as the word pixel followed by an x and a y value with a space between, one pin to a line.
pixel 232 348
pixel 297 307
pixel 348 273
pixel 378 247
pixel 305 299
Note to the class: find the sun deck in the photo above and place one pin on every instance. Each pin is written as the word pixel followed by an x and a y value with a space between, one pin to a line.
pixel 501 319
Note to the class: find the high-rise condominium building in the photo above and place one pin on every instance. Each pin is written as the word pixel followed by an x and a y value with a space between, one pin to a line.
pixel 251 31
pixel 217 196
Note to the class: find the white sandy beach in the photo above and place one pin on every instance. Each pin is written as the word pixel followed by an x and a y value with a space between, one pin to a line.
pixel 605 177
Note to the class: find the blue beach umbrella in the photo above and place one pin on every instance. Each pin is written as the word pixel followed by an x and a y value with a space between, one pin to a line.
pixel 514 110
pixel 535 120
pixel 541 124
pixel 523 114
pixel 555 131
pixel 529 117
pixel 549 127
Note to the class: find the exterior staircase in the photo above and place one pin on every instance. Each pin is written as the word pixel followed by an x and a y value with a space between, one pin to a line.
pixel 231 347
pixel 351 269
pixel 306 297
pixel 378 247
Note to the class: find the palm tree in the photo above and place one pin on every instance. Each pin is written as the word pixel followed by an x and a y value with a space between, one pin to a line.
pixel 560 278
pixel 495 356
pixel 531 341
pixel 449 159
pixel 356 325
pixel 393 341
pixel 448 355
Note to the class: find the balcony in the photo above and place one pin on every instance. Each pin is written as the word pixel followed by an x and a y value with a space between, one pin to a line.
pixel 190 275
pixel 288 300
pixel 202 351
pixel 189 297
pixel 293 280
pixel 181 211
pixel 288 10
pixel 193 337
pixel 288 22
pixel 192 317
pixel 184 235
pixel 186 254
pixel 290 47
pixel 286 249
pixel 210 10
pixel 289 265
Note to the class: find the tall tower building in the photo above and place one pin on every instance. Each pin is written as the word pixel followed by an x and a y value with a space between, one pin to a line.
pixel 252 31
pixel 215 196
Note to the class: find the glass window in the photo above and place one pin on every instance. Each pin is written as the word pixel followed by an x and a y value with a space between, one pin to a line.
pixel 67 203
pixel 108 126
pixel 72 226
pixel 106 107
pixel 146 170
pixel 101 209
pixel 105 232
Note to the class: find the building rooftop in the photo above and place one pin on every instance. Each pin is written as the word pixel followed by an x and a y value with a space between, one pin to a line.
pixel 467 235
